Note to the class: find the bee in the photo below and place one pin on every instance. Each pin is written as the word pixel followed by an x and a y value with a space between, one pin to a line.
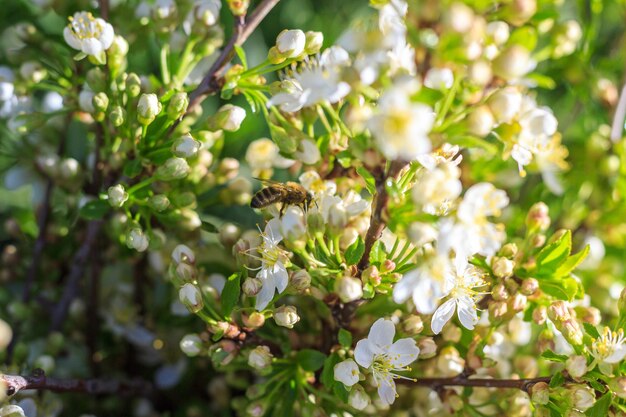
pixel 289 193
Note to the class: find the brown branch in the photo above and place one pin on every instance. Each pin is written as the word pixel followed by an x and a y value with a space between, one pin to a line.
pixel 464 381
pixel 104 9
pixel 212 81
pixel 39 381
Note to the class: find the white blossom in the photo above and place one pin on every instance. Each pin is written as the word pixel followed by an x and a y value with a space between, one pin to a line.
pixel 88 34
pixel 439 78
pixel 346 372
pixel 609 348
pixel 437 188
pixel 383 358
pixel 461 290
pixel 272 273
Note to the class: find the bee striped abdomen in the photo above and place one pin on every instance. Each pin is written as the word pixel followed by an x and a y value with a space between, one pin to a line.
pixel 267 196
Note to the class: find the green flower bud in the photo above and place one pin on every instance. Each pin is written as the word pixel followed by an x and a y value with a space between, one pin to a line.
pixel 117 116
pixel 148 108
pixel 100 102
pixel 159 202
pixel 314 41
pixel 117 55
pixel 191 297
pixel 185 146
pixel 173 169
pixel 133 85
pixel 274 56
pixel 238 7
pixel 177 106
pixel 184 199
pixel 96 79
pixel 538 218
pixel 228 118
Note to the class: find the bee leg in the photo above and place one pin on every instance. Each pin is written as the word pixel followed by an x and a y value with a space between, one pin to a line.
pixel 282 210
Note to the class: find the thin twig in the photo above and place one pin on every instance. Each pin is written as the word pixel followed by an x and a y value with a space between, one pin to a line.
pixel 39 381
pixel 211 82
pixel 104 9
pixel 463 381
pixel 618 118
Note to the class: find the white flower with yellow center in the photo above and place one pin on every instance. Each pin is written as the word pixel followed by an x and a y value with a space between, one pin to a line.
pixel 400 126
pixel 383 358
pixel 609 348
pixel 461 290
pixel 436 189
pixel 88 34
pixel 272 272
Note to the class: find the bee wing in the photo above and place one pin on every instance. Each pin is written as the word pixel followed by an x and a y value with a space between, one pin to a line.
pixel 268 182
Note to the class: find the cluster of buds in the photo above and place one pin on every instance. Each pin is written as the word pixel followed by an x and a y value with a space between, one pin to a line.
pixel 564 319
pixel 183 267
pixel 295 44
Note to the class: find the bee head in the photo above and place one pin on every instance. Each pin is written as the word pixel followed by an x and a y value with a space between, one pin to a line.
pixel 309 199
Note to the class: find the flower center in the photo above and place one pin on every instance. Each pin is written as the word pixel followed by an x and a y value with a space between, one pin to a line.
pixel 606 344
pixel 85 26
pixel 382 367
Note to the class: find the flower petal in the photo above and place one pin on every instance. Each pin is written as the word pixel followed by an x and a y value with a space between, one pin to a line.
pixel 272 232
pixel 364 353
pixel 403 352
pixel 91 46
pixel 266 294
pixel 442 315
pixel 403 289
pixel 425 295
pixel 466 310
pixel 387 390
pixel 281 278
pixel 71 39
pixel 617 356
pixel 346 372
pixel 382 332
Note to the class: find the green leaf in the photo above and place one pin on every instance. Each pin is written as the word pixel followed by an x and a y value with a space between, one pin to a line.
pixel 572 262
pixel 370 183
pixel 310 360
pixel 542 81
pixel 377 254
pixel 557 380
pixel 562 289
pixel 328 373
pixel 601 407
pixel 230 294
pixel 94 210
pixel 241 54
pixel 470 142
pixel 208 227
pixel 554 254
pixel 525 36
pixel 591 330
pixel 355 251
pixel 551 356
pixel 133 168
pixel 345 338
pixel 340 391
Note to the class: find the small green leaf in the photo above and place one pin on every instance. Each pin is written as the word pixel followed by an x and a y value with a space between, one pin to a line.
pixel 133 168
pixel 551 356
pixel 94 210
pixel 601 407
pixel 345 338
pixel 241 54
pixel 230 294
pixel 355 251
pixel 377 254
pixel 340 391
pixel 562 289
pixel 572 262
pixel 370 183
pixel 208 227
pixel 554 254
pixel 310 360
pixel 557 380
pixel 525 36
pixel 591 330
pixel 328 373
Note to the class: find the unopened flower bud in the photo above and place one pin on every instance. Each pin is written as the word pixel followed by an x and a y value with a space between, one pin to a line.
pixel 136 239
pixel 300 280
pixel 191 345
pixel 315 222
pixel 519 12
pixel 238 7
pixel 518 302
pixel 159 202
pixel 69 169
pixel 538 218
pixel 117 116
pixel 412 325
pixel 228 117
pixel 177 106
pixel 509 250
pixel 388 266
pixel 499 292
pixel 358 398
pixel 314 41
pixel 117 195
pixel 371 275
pixel 498 309
pixel 133 85
pixel 286 316
pixel 260 358
pixel 173 169
pixel 428 347
pixel 252 286
pixel 96 79
pixel 502 267
pixel 421 234
pixel 185 271
pixel 291 43
pixel 529 286
pixel 558 311
pixel 618 386
pixel 254 320
pixel 540 315
pixel 191 297
pixel 498 31
pixel 451 333
pixel 148 108
pixel 479 72
pixel 512 63
pixel 505 104
pixel 100 102
pixel 185 146
pixel 583 397
pixel 540 393
pixel 183 254
pixel 572 332
pixel 480 122
pixel 576 366
pixel 6 334
pixel 348 288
